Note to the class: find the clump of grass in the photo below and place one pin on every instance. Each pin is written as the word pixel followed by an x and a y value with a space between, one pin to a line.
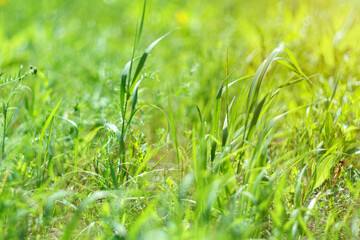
pixel 268 152
pixel 17 87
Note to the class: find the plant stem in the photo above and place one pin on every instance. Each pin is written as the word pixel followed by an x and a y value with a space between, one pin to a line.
pixel 4 132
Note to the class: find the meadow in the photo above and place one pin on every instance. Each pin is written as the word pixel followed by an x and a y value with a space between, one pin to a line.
pixel 181 119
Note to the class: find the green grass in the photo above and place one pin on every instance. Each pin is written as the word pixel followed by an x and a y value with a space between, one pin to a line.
pixel 179 119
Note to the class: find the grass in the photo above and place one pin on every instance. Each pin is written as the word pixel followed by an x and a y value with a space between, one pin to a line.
pixel 179 120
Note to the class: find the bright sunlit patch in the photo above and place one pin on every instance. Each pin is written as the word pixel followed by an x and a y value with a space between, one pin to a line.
pixel 182 17
pixel 4 2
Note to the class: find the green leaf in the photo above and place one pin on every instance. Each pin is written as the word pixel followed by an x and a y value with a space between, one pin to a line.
pixel 199 112
pixel 117 133
pixel 90 136
pixel 135 97
pixel 71 123
pixel 322 171
pixel 259 78
pixel 141 23
pixel 293 60
pixel 142 61
pixel 232 83
pixel 124 76
pixel 255 117
pixel 256 84
pixel 329 125
pixel 225 131
pixel 298 188
pixel 286 63
pixel 49 120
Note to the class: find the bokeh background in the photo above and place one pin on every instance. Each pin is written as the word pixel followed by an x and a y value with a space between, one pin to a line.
pixel 81 46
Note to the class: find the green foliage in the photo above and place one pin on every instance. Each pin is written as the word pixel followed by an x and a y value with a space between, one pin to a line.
pixel 243 124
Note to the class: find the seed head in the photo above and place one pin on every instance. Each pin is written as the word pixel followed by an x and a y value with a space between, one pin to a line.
pixel 33 70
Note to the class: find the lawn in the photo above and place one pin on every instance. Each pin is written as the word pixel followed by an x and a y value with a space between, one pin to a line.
pixel 179 119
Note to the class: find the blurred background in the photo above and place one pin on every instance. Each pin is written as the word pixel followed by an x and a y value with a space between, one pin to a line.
pixel 82 46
